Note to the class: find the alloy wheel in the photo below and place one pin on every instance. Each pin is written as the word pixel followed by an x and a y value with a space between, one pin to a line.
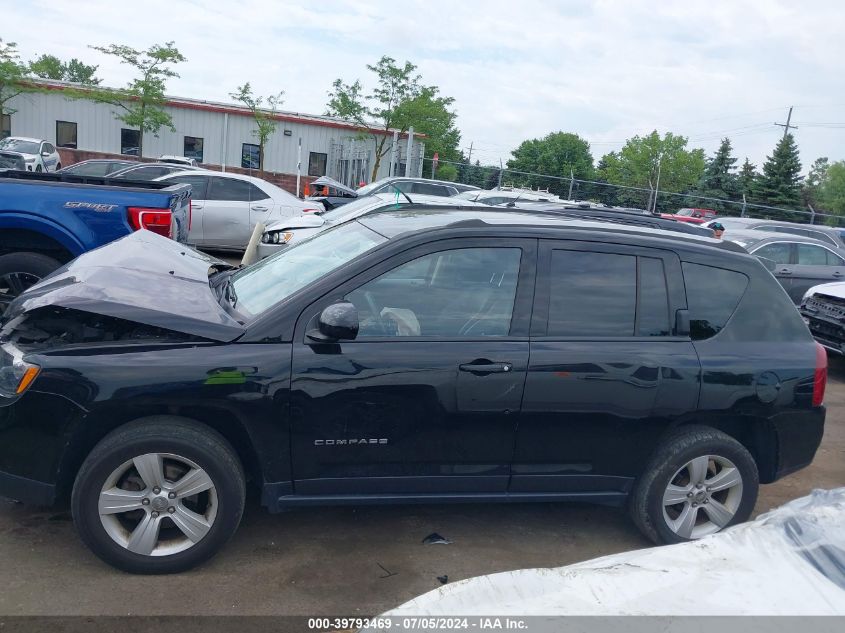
pixel 13 284
pixel 158 504
pixel 702 497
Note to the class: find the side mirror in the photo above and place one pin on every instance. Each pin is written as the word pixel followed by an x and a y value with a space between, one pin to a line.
pixel 45 154
pixel 337 322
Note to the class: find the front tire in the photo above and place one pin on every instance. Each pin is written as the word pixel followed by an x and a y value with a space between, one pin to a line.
pixel 19 271
pixel 699 481
pixel 159 495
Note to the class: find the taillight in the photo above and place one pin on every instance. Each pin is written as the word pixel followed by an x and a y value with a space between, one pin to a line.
pixel 190 214
pixel 820 377
pixel 155 220
pixel 313 210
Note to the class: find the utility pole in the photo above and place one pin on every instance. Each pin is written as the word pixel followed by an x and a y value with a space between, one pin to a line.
pixel 786 126
pixel 469 156
pixel 657 185
pixel 500 173
pixel 571 182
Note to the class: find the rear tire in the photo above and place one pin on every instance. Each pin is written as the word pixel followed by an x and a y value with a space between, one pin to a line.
pixel 19 271
pixel 711 478
pixel 158 462
pixel 58 167
pixel 38 168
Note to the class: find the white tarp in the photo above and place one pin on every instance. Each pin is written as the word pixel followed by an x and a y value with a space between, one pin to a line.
pixel 790 561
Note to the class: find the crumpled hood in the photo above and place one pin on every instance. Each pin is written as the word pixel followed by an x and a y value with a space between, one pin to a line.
pixel 143 277
pixel 833 289
pixel 305 221
pixel 325 181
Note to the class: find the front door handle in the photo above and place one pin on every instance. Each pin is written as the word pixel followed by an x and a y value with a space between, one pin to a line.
pixel 259 208
pixel 486 367
pixel 837 274
pixel 196 205
pixel 784 271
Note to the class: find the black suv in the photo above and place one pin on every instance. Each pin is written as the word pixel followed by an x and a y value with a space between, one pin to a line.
pixel 406 356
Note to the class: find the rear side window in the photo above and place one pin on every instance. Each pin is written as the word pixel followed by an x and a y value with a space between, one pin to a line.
pixel 592 294
pixel 230 189
pixel 712 296
pixel 812 255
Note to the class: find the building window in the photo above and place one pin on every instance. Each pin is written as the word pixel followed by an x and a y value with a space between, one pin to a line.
pixel 129 142
pixel 66 134
pixel 250 156
pixel 193 148
pixel 6 126
pixel 317 164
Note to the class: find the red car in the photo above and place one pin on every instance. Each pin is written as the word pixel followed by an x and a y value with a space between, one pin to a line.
pixel 695 216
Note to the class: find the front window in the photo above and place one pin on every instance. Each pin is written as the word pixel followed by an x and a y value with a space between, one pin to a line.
pixel 276 278
pixel 465 292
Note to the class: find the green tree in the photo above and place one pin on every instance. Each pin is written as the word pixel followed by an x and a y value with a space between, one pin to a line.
pixel 746 178
pixel 780 183
pixel 140 104
pixel 51 67
pixel 398 102
pixel 814 182
pixel 265 122
pixel 637 165
pixel 719 181
pixel 447 171
pixel 831 193
pixel 12 76
pixel 557 154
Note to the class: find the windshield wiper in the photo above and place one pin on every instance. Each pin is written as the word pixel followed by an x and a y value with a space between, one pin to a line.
pixel 403 193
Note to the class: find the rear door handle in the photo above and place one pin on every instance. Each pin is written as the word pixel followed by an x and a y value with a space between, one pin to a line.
pixel 785 271
pixel 486 367
pixel 259 208
pixel 837 274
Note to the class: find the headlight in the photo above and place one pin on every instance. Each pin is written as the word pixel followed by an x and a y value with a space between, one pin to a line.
pixel 275 237
pixel 30 160
pixel 16 375
pixel 265 238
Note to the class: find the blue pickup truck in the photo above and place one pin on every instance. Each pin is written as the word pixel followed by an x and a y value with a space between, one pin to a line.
pixel 48 219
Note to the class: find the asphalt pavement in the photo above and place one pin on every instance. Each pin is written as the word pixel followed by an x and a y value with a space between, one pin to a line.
pixel 343 561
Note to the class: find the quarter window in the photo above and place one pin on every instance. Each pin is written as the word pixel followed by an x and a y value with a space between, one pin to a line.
pixel 592 294
pixel 66 134
pixel 712 296
pixel 779 252
pixel 467 292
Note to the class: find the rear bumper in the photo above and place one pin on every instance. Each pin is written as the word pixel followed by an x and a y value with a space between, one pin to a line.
pixel 26 490
pixel 798 438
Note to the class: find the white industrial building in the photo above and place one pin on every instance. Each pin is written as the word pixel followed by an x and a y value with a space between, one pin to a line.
pixel 216 134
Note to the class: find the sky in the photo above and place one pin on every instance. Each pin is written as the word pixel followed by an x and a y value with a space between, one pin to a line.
pixel 606 70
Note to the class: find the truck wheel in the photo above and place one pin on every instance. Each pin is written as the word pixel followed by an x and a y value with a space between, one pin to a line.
pixel 698 482
pixel 159 495
pixel 19 271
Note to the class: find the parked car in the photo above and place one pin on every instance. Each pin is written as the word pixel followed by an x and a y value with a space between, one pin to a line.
pixel 406 356
pixel 616 215
pixel 48 219
pixel 694 216
pixel 150 171
pixel 829 234
pixel 226 207
pixel 496 197
pixel 394 185
pixel 290 231
pixel 38 154
pixel 823 310
pixel 178 160
pixel 98 167
pixel 799 262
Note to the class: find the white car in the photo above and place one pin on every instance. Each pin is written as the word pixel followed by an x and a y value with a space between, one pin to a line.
pixel 279 235
pixel 177 160
pixel 38 154
pixel 225 207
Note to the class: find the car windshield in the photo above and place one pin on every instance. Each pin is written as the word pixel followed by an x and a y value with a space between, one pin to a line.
pixel 276 278
pixel 17 145
pixel 686 212
pixel 352 209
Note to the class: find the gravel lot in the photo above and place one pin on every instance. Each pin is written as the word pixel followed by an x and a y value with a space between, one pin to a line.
pixel 343 561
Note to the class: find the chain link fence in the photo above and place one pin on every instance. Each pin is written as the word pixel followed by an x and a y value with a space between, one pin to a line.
pixel 489 176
